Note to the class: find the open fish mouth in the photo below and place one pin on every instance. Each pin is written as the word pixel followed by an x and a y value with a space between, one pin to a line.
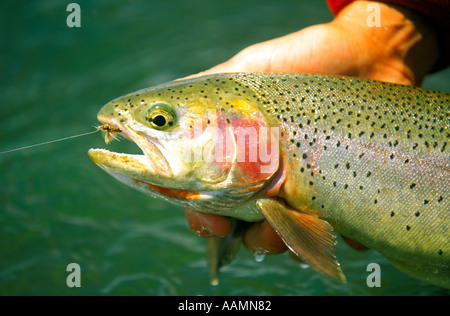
pixel 147 172
pixel 151 165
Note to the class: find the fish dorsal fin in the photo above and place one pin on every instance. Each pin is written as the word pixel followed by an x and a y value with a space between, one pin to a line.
pixel 309 237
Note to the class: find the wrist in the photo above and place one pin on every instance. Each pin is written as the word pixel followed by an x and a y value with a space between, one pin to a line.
pixel 400 46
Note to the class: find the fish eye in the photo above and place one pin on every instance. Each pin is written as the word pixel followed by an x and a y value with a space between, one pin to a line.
pixel 161 116
pixel 159 120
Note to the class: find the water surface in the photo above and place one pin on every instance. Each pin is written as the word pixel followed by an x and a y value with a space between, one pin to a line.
pixel 57 207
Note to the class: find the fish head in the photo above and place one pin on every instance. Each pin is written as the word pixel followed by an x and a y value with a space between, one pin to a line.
pixel 204 146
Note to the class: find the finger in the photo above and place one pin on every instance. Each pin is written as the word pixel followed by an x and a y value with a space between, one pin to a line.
pixel 262 238
pixel 208 225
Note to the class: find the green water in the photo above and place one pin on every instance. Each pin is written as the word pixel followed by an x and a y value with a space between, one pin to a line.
pixel 57 207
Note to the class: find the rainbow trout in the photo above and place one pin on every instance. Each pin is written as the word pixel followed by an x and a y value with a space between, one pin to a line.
pixel 312 154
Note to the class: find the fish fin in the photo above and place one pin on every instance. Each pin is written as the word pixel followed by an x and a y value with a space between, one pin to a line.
pixel 212 254
pixel 309 237
pixel 222 250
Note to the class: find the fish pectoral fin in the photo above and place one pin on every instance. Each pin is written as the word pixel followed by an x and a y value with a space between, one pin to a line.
pixel 309 237
pixel 222 250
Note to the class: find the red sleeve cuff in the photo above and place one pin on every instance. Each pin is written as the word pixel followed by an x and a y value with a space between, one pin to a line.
pixel 337 5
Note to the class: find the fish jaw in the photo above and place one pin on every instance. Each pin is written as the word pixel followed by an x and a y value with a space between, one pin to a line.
pixel 150 172
pixel 143 174
pixel 130 169
pixel 136 172
pixel 131 166
pixel 149 146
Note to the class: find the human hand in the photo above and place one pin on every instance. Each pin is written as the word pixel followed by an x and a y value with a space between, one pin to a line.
pixel 402 50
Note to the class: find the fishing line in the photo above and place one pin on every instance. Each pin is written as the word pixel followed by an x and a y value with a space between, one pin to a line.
pixel 48 142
